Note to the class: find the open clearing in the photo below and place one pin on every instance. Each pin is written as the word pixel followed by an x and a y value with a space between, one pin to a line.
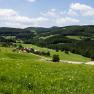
pixel 22 73
pixel 63 56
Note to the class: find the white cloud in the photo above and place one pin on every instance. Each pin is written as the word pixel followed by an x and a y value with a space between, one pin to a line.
pixel 60 18
pixel 52 17
pixel 8 12
pixel 82 9
pixel 10 18
pixel 66 21
pixel 31 0
pixel 72 13
pixel 50 13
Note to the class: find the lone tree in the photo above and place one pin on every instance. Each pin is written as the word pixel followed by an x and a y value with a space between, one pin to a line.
pixel 92 57
pixel 56 58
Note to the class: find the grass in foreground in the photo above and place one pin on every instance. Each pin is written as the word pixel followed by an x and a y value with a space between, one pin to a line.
pixel 27 74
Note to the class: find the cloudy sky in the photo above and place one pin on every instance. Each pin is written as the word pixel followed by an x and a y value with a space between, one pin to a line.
pixel 46 13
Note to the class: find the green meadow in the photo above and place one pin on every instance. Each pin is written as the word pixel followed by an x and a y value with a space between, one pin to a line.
pixel 26 73
pixel 62 55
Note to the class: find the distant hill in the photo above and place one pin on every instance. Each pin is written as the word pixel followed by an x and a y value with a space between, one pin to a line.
pixel 86 30
pixel 67 30
pixel 77 39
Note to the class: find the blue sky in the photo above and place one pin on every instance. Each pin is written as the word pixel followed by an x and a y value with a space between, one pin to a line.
pixel 46 13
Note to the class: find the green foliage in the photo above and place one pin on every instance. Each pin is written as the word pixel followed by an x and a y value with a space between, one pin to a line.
pixel 56 58
pixel 20 46
pixel 63 56
pixel 25 73
pixel 76 39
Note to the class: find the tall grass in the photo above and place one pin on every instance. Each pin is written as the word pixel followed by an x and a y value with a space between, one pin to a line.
pixel 22 73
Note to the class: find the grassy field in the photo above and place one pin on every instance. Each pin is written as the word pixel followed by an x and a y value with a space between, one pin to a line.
pixel 63 56
pixel 74 37
pixel 22 73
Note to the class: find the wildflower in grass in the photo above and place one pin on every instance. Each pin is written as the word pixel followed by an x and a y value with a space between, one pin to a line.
pixel 18 64
pixel 40 72
pixel 25 76
pixel 70 79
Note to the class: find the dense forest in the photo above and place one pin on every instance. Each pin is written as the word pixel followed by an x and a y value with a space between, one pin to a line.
pixel 76 39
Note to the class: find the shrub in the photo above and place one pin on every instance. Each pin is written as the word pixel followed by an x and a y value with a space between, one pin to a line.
pixel 56 58
pixel 19 46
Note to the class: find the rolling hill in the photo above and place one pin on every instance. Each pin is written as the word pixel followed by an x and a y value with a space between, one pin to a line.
pixel 27 73
pixel 76 39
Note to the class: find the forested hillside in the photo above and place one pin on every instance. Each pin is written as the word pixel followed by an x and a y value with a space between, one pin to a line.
pixel 76 39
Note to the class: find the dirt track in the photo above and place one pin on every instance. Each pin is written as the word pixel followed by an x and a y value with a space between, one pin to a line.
pixel 73 62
